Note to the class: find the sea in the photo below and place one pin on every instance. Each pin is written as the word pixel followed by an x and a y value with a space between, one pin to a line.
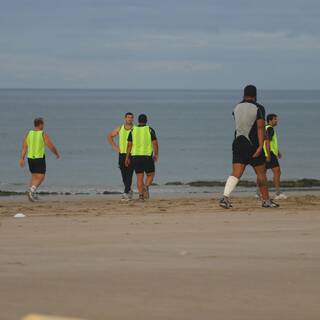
pixel 195 129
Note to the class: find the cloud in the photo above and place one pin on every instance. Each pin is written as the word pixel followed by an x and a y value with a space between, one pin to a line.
pixel 169 66
pixel 200 41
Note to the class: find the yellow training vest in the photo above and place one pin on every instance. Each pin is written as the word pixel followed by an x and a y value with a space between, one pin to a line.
pixel 36 145
pixel 274 146
pixel 141 141
pixel 123 139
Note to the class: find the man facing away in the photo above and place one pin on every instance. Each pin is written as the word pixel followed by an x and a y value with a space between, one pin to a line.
pixel 143 149
pixel 35 143
pixel 126 171
pixel 247 147
pixel 272 153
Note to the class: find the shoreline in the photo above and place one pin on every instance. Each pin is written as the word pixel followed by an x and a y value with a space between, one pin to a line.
pixel 197 186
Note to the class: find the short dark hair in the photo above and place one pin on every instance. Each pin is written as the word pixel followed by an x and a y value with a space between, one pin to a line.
pixel 271 116
pixel 38 121
pixel 250 91
pixel 143 118
pixel 128 114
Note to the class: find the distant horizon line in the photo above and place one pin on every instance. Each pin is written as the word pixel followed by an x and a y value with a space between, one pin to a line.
pixel 152 89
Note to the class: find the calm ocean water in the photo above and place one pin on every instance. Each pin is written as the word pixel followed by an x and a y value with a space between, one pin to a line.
pixel 194 128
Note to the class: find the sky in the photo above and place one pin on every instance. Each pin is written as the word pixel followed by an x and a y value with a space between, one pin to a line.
pixel 163 44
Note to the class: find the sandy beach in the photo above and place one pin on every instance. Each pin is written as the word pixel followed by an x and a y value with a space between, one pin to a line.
pixel 177 258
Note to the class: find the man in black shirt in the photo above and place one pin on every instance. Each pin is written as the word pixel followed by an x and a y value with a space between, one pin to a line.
pixel 247 147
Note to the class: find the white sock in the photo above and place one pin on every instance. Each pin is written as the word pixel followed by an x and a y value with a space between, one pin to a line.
pixel 33 189
pixel 230 186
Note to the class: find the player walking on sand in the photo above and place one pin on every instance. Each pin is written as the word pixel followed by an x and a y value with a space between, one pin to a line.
pixel 34 143
pixel 248 147
pixel 142 153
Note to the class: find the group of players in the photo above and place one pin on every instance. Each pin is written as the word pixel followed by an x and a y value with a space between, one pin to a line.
pixel 255 144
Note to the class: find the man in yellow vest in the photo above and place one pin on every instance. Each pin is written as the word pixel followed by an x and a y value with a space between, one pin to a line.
pixel 271 150
pixel 121 148
pixel 144 150
pixel 35 143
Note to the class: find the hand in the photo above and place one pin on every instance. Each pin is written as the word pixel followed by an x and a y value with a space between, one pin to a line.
pixel 57 156
pixel 116 148
pixel 268 158
pixel 127 162
pixel 257 153
pixel 155 157
pixel 22 163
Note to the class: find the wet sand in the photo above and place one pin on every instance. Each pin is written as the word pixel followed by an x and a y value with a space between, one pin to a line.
pixel 178 258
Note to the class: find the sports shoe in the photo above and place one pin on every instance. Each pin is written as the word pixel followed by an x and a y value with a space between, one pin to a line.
pixel 146 194
pixel 141 197
pixel 280 196
pixel 125 197
pixel 130 194
pixel 36 197
pixel 269 204
pixel 225 203
pixel 30 195
pixel 257 196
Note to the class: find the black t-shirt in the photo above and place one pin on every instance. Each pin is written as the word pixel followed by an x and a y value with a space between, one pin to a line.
pixel 152 132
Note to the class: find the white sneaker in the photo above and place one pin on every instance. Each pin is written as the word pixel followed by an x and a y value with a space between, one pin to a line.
pixel 125 197
pixel 280 196
pixel 36 197
pixel 130 195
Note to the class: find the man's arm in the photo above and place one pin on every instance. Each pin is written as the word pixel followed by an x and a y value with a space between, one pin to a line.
pixel 51 146
pixel 155 146
pixel 110 137
pixel 268 138
pixel 268 150
pixel 129 148
pixel 23 152
pixel 261 137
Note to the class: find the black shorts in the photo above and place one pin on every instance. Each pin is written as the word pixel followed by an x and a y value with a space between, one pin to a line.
pixel 37 165
pixel 243 150
pixel 143 164
pixel 273 163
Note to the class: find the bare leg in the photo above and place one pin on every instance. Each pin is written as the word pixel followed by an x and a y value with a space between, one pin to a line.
pixel 276 179
pixel 238 170
pixel 37 179
pixel 258 188
pixel 140 184
pixel 262 181
pixel 149 179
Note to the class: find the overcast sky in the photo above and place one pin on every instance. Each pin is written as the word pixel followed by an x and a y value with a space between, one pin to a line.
pixel 197 44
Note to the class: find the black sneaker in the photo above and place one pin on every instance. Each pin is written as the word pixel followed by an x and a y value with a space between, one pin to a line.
pixel 30 195
pixel 269 204
pixel 225 203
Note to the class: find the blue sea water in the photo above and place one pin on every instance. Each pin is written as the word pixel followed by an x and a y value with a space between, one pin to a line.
pixel 195 131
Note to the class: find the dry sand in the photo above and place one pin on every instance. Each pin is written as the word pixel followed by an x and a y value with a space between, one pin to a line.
pixel 99 259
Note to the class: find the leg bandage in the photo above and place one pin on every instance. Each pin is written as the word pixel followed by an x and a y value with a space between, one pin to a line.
pixel 230 186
